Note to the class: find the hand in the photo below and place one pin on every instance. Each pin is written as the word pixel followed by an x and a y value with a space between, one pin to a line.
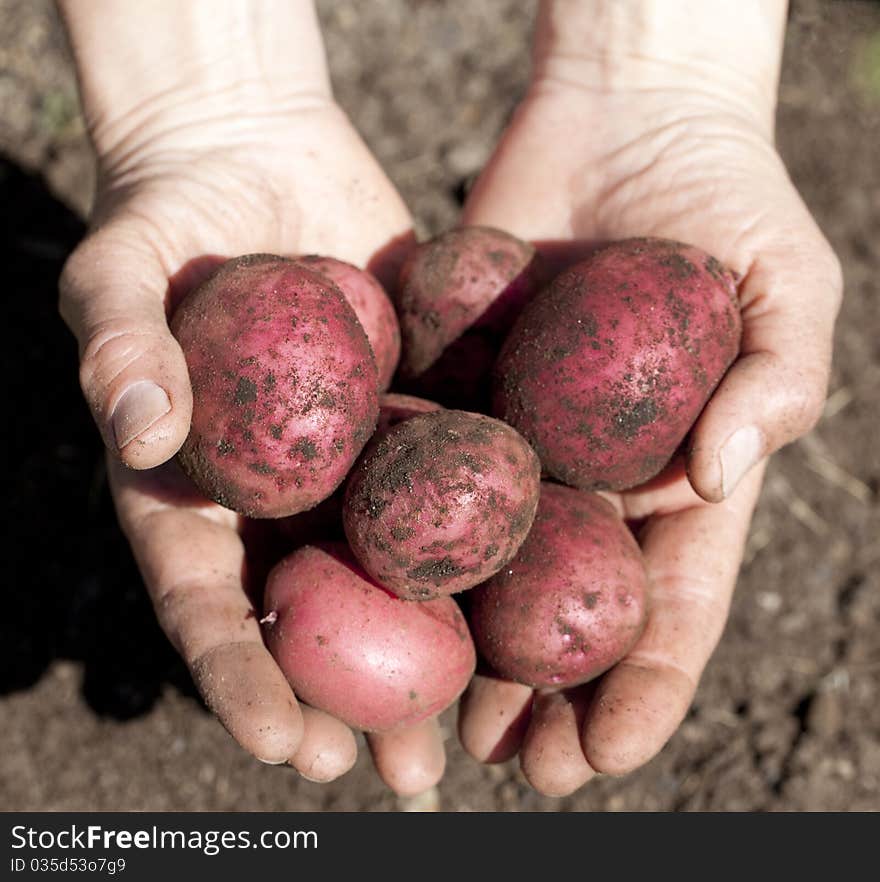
pixel 676 144
pixel 192 170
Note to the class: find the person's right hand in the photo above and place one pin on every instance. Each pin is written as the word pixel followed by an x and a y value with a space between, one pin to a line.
pixel 211 168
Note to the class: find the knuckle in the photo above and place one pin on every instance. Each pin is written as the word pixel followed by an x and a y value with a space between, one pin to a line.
pixel 112 347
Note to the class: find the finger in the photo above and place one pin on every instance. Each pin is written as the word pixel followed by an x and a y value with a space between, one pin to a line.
pixel 669 492
pixel 133 373
pixel 552 758
pixel 192 561
pixel 775 391
pixel 692 558
pixel 409 760
pixel 328 748
pixel 493 716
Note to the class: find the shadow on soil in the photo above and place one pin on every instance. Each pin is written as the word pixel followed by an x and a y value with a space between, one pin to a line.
pixel 72 590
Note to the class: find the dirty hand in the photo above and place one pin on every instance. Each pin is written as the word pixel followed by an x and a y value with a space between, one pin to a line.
pixel 216 136
pixel 645 118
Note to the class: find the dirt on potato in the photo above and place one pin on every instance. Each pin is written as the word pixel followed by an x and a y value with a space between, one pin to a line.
pixel 466 277
pixel 608 368
pixel 371 305
pixel 440 502
pixel 572 601
pixel 284 386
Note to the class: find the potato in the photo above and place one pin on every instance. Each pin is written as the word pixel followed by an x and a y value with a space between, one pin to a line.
pixel 285 391
pixel 440 502
pixel 352 649
pixel 395 408
pixel 571 603
pixel 371 305
pixel 469 276
pixel 607 369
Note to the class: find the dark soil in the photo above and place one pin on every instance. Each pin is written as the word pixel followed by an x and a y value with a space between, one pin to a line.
pixel 98 714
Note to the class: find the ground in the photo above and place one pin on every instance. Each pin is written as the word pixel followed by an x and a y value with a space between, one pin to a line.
pixel 97 712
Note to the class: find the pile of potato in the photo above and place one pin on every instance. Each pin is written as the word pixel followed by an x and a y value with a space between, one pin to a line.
pixel 392 505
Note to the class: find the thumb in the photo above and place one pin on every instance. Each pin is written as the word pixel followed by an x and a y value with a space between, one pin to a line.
pixel 775 391
pixel 132 371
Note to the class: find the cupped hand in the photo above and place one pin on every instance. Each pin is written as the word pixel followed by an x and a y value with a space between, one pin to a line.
pixel 173 200
pixel 585 165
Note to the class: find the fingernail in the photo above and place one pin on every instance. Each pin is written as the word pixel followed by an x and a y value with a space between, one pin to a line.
pixel 272 762
pixel 741 451
pixel 141 405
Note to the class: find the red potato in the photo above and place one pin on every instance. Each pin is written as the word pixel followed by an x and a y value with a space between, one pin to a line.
pixel 353 650
pixel 606 370
pixel 284 386
pixel 395 408
pixel 571 603
pixel 474 276
pixel 372 306
pixel 440 502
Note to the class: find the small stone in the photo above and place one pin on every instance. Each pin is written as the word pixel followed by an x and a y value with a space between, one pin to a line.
pixel 769 601
pixel 467 157
pixel 845 769
pixel 616 803
pixel 825 716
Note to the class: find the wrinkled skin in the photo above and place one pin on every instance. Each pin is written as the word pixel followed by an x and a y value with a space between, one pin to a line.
pixel 371 305
pixel 608 368
pixel 440 502
pixel 475 276
pixel 284 386
pixel 356 651
pixel 572 601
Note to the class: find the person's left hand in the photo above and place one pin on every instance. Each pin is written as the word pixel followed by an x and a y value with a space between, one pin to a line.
pixel 579 166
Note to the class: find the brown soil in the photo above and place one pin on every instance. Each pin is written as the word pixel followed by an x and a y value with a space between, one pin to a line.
pixel 97 712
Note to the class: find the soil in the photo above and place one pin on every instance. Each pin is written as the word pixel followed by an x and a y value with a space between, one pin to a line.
pixel 97 712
